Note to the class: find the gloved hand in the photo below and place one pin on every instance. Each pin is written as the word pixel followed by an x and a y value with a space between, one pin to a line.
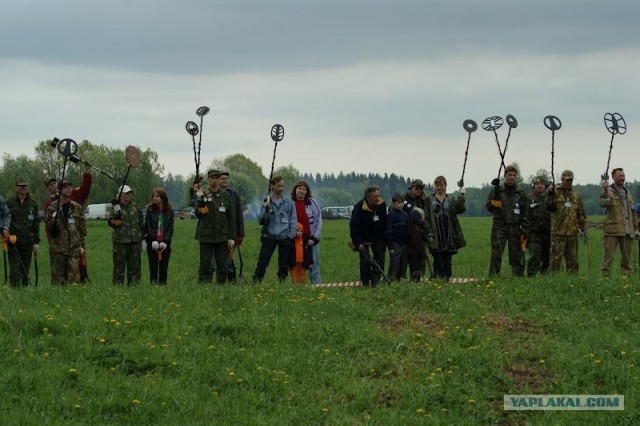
pixel 200 194
pixel 5 234
pixel 81 250
pixel 231 243
pixel 162 246
pixel 116 223
pixel 239 239
pixel 36 247
pixel 496 203
pixel 143 245
pixel 637 236
pixel 117 210
pixel 155 246
pixel 462 190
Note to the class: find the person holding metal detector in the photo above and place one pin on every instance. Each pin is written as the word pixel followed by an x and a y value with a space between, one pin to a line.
pixel 367 228
pixel 279 222
pixel 236 203
pixel 539 241
pixel 25 225
pixel 568 220
pixel 447 236
pixel 127 237
pixel 158 224
pixel 510 210
pixel 620 223
pixel 216 228
pixel 67 228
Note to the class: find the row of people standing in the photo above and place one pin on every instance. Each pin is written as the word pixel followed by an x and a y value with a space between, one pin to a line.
pixel 416 224
pixel 550 221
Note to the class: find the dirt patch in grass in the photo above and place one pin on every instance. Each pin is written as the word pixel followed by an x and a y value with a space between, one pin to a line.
pixel 428 325
pixel 526 378
pixel 511 325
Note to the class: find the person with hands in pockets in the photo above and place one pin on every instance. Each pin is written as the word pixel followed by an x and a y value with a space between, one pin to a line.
pixel 128 237
pixel 216 228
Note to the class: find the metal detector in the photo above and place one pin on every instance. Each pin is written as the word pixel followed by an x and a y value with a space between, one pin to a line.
pixel 491 124
pixel 615 124
pixel 552 123
pixel 193 129
pixel 470 126
pixel 74 158
pixel 277 134
pixel 132 154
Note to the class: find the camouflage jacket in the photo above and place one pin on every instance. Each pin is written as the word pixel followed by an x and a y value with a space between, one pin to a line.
pixel 66 226
pixel 512 210
pixel 539 216
pixel 567 212
pixel 216 216
pixel 128 224
pixel 25 221
pixel 617 222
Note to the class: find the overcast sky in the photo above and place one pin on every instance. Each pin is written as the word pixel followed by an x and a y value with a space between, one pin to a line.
pixel 359 85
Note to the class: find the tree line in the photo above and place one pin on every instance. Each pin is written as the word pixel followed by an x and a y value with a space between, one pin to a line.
pixel 110 166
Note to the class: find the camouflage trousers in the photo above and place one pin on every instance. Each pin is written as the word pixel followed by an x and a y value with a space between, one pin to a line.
pixel 539 246
pixel 564 246
pixel 611 243
pixel 65 267
pixel 500 237
pixel 126 258
pixel 19 264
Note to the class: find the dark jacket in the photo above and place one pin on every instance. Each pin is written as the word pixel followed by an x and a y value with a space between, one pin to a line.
pixel 238 210
pixel 151 224
pixel 216 224
pixel 25 221
pixel 368 223
pixel 446 235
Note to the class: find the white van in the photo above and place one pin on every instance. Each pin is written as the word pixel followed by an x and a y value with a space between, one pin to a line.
pixel 98 211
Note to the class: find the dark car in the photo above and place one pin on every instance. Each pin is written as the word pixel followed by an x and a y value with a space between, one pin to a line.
pixel 331 213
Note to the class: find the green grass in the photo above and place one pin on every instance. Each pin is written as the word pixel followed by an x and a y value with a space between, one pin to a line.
pixel 428 353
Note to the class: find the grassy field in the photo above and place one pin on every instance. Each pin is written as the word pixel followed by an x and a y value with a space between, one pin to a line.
pixel 428 353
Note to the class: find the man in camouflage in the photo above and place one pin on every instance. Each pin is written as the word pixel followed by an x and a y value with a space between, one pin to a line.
pixel 568 220
pixel 25 225
pixel 508 204
pixel 620 223
pixel 128 233
pixel 539 242
pixel 216 228
pixel 417 246
pixel 67 228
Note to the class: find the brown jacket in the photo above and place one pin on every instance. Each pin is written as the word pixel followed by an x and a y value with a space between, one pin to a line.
pixel 612 202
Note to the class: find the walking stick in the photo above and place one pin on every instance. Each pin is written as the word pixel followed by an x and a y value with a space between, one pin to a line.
pixel 240 276
pixel 615 124
pixel 277 134
pixel 552 123
pixel 470 126
pixel 4 256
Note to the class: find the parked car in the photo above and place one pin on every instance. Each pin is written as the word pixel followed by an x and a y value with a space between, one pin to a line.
pixel 185 214
pixel 98 211
pixel 336 212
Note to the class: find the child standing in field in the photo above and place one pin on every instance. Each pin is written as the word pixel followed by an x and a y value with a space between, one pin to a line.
pixel 397 234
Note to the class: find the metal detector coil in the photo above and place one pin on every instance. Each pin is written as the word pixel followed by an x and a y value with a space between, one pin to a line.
pixel 67 147
pixel 470 125
pixel 615 124
pixel 192 128
pixel 202 111
pixel 492 123
pixel 511 121
pixel 552 123
pixel 132 154
pixel 277 133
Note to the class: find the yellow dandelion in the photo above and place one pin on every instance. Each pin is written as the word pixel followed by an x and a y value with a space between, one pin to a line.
pixel 420 411
pixel 325 409
pixel 471 401
pixel 77 406
pixel 231 373
pixel 541 361
pixel 135 402
pixel 73 371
